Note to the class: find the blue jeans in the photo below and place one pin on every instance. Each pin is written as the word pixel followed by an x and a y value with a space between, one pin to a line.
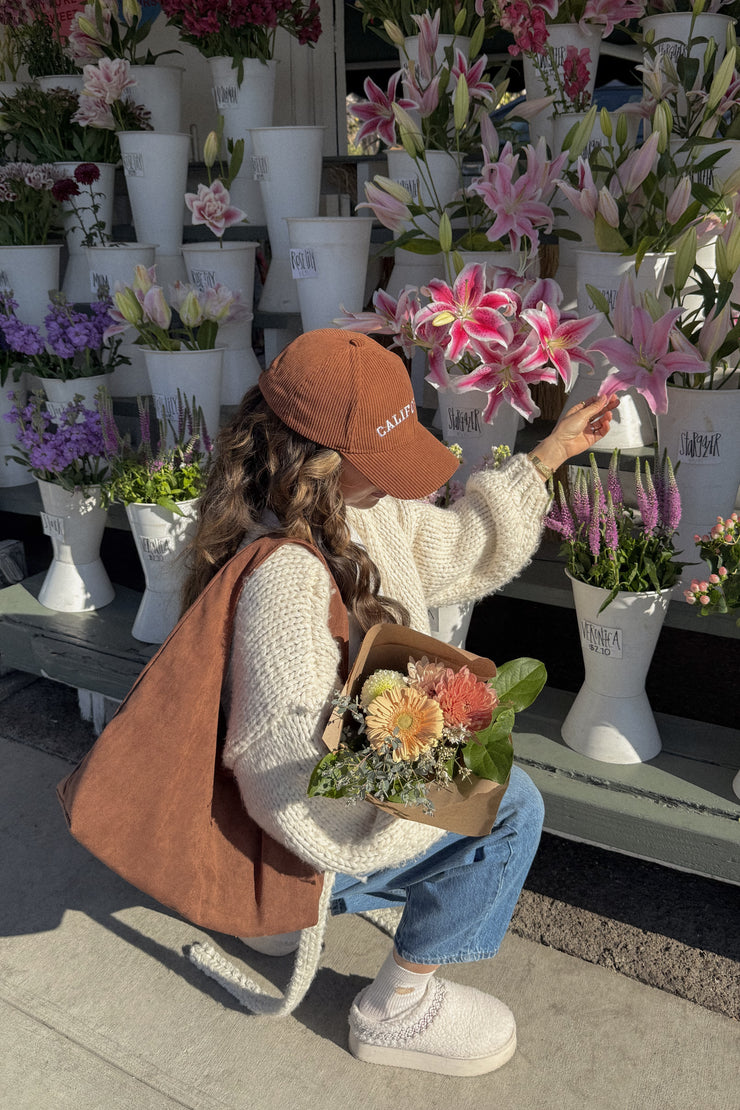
pixel 459 897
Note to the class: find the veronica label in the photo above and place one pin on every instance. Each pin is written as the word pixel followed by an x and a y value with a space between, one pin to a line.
pixel 410 184
pixel 700 447
pixel 156 550
pixel 602 640
pixel 226 96
pixel 464 420
pixel 260 167
pixel 133 164
pixel 53 525
pixel 203 279
pixel 303 263
pixel 165 404
pixel 5 282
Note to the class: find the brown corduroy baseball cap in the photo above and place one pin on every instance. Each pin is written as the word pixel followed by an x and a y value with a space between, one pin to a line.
pixel 345 391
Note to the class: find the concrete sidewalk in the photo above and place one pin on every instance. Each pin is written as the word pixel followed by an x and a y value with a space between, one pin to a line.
pixel 102 1009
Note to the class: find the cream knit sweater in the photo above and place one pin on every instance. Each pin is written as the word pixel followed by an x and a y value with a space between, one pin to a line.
pixel 284 661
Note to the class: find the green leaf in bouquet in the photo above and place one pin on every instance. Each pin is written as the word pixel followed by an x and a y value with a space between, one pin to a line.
pixel 490 755
pixel 607 237
pixel 323 782
pixel 518 683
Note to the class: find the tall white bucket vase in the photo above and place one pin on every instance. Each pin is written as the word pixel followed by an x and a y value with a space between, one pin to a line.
pixel 76 581
pixel 633 424
pixel 108 266
pixel 243 107
pixel 700 431
pixel 160 538
pixel 156 168
pixel 328 256
pixel 76 283
pixel 287 162
pixel 611 719
pixel 159 89
pixel 559 36
pixel 433 186
pixel 196 374
pixel 232 265
pixel 30 272
pixel 461 422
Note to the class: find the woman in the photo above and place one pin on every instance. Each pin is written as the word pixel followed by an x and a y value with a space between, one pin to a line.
pixel 328 449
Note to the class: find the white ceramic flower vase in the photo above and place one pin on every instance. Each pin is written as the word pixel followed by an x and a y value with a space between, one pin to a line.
pixel 159 89
pixel 76 282
pixel 611 719
pixel 11 473
pixel 76 581
pixel 461 422
pixel 415 270
pixel 450 623
pixel 559 36
pixel 72 81
pixel 287 162
pixel 109 266
pixel 155 165
pixel 519 261
pixel 30 272
pixel 700 432
pixel 329 256
pixel 230 264
pixel 243 107
pixel 160 537
pixel 434 180
pixel 195 374
pixel 59 394
pixel 633 424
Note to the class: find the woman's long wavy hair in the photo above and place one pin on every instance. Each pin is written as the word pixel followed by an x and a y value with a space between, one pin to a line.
pixel 260 464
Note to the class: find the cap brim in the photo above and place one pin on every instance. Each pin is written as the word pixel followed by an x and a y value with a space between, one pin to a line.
pixel 410 471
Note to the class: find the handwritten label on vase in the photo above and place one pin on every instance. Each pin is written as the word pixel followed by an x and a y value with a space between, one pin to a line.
pixel 466 421
pixel 5 282
pixel 303 263
pixel 55 409
pixel 700 447
pixel 53 526
pixel 260 167
pixel 226 96
pixel 133 164
pixel 609 295
pixel 410 184
pixel 203 279
pixel 601 640
pixel 100 284
pixel 165 404
pixel 156 551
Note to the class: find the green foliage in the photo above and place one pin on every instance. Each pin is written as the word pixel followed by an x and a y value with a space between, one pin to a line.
pixel 42 121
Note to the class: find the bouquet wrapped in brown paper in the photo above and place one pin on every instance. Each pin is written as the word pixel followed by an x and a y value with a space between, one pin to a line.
pixel 423 730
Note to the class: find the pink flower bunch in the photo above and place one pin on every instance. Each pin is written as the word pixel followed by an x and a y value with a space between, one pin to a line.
pixel 719 592
pixel 104 100
pixel 504 333
pixel 576 73
pixel 242 29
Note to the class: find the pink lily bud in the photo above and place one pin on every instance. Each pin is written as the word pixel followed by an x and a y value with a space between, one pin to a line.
pixel 639 163
pixel 155 307
pixel 607 206
pixel 679 201
pixel 144 278
pixel 714 331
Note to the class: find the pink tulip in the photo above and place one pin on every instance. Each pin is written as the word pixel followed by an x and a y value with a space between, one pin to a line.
pixel 211 206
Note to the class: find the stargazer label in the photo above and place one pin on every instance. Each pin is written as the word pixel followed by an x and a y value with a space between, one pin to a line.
pixel 396 419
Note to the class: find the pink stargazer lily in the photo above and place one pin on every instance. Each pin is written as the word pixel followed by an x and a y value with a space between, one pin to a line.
pixel 561 339
pixel 478 90
pixel 377 111
pixel 506 375
pixel 646 362
pixel 516 203
pixel 470 312
pixel 428 41
pixel 423 99
pixel 612 12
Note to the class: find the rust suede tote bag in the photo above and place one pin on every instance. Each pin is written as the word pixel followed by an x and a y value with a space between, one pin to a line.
pixel 153 802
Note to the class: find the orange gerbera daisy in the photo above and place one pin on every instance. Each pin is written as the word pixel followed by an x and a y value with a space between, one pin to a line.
pixel 465 701
pixel 417 719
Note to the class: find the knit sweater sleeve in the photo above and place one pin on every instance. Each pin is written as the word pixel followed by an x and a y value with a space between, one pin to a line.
pixel 283 671
pixel 483 540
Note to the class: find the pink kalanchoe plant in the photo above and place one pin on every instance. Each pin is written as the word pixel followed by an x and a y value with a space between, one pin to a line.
pixel 484 330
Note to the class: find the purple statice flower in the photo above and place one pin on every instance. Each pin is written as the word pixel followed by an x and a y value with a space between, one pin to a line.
pixel 614 486
pixel 23 338
pixel 611 530
pixel 647 500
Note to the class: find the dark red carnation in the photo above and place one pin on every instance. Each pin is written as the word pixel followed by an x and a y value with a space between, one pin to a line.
pixel 86 173
pixel 64 189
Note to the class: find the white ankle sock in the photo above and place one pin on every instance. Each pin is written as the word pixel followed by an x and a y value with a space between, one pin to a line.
pixel 393 990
